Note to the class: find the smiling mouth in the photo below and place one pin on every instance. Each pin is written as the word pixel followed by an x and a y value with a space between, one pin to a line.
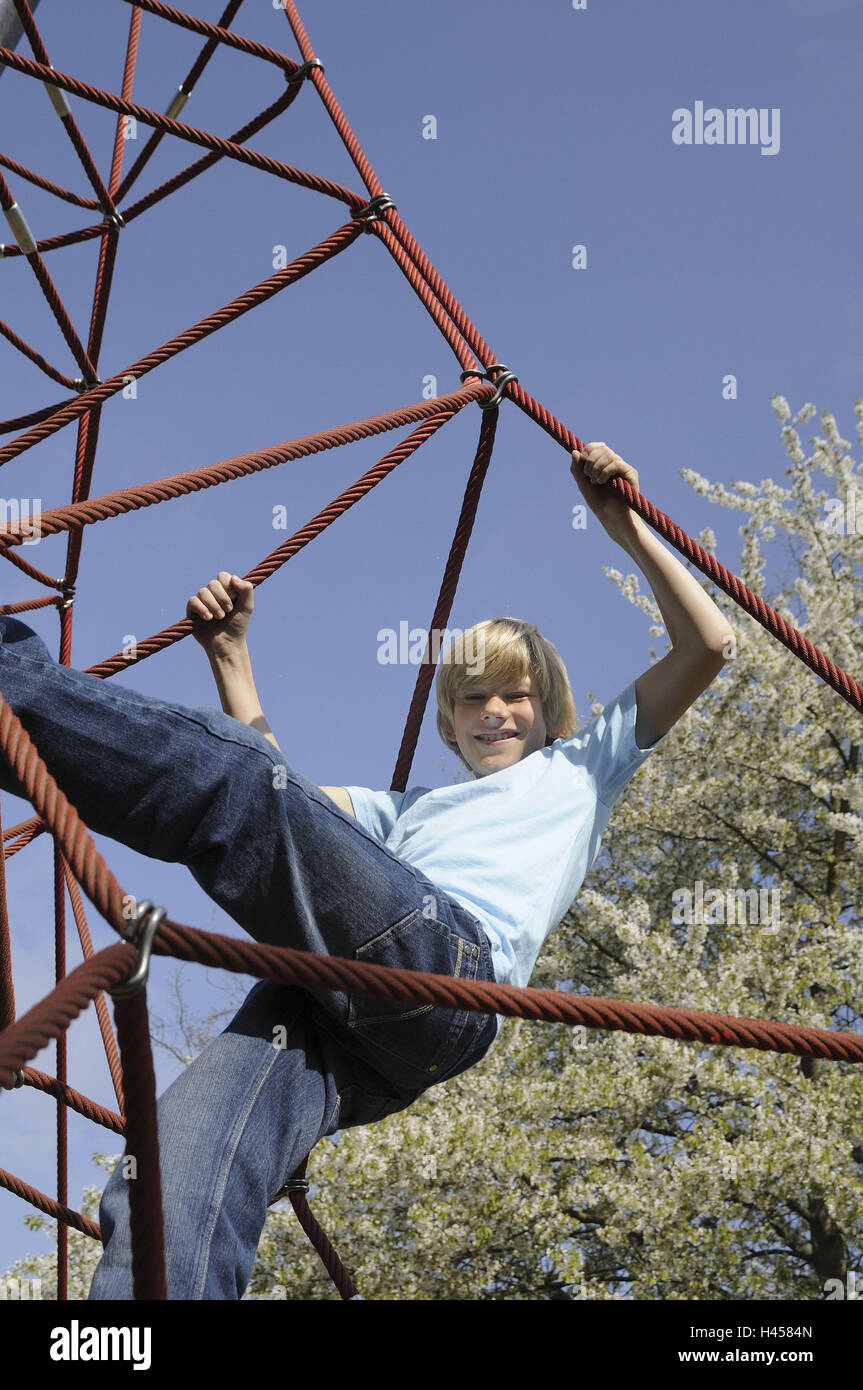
pixel 499 736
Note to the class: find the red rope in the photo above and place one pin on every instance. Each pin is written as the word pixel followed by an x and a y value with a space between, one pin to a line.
pixel 7 986
pixel 184 132
pixel 11 336
pixel 49 289
pixel 68 121
pixel 444 603
pixel 76 858
pixel 250 299
pixel 49 187
pixel 186 86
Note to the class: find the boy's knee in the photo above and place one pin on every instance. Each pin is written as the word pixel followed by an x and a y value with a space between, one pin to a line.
pixel 114 1203
pixel 16 636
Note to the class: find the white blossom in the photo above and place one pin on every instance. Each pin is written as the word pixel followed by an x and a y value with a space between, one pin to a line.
pixel 637 1167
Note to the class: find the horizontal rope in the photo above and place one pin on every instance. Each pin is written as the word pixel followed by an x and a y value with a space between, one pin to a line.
pixel 74 991
pixel 23 1039
pixel 191 134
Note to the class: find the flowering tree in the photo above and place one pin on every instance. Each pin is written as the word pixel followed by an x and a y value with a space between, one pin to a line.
pixel 574 1163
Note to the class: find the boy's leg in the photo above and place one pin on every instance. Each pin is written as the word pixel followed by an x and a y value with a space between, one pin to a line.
pixel 193 785
pixel 232 1128
pixel 136 768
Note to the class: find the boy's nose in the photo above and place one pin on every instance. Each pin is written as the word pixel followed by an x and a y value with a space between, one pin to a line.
pixel 494 707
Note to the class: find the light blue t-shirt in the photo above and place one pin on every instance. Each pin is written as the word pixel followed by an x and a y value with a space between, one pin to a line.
pixel 514 847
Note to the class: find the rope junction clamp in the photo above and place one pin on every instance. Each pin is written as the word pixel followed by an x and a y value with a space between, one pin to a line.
pixel 372 210
pixel 68 592
pixel 58 99
pixel 303 72
pixel 177 102
pixel 500 383
pixel 140 932
pixel 23 236
pixel 292 1185
pixel 81 385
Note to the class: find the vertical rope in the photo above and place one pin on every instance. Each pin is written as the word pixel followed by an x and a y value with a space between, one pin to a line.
pixel 7 987
pixel 146 1217
pixel 452 570
pixel 62 1112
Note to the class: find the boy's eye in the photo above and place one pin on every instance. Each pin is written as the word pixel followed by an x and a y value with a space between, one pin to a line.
pixel 514 695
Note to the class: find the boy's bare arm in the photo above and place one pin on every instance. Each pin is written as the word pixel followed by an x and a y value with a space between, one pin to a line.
pixel 220 614
pixel 701 637
pixel 232 671
pixel 341 797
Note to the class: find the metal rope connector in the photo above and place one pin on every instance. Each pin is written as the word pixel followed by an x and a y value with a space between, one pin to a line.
pixel 116 218
pixel 292 1185
pixel 303 72
pixel 68 592
pixel 140 932
pixel 19 1080
pixel 23 236
pixel 81 385
pixel 59 99
pixel 177 102
pixel 372 210
pixel 499 382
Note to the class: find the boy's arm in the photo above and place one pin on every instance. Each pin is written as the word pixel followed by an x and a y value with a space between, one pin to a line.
pixel 341 797
pixel 700 635
pixel 232 669
pixel 219 614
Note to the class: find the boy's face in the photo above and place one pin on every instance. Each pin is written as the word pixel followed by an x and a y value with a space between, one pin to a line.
pixel 496 726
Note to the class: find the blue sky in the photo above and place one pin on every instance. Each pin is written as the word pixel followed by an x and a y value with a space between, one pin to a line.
pixel 554 129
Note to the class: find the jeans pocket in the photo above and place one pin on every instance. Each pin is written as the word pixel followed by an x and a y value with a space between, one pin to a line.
pixel 357 1106
pixel 423 1038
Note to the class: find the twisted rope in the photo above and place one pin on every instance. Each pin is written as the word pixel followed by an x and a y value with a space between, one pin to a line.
pixel 77 859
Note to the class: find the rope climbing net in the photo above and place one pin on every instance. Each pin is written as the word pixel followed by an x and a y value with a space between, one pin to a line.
pixel 121 969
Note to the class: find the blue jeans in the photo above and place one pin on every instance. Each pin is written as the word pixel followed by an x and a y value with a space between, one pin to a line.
pixel 192 785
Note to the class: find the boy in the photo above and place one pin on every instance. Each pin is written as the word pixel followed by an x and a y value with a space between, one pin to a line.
pixel 465 880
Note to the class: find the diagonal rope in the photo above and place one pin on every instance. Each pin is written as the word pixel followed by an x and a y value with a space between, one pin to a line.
pixel 76 858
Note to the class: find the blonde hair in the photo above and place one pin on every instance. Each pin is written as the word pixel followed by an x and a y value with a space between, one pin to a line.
pixel 495 652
